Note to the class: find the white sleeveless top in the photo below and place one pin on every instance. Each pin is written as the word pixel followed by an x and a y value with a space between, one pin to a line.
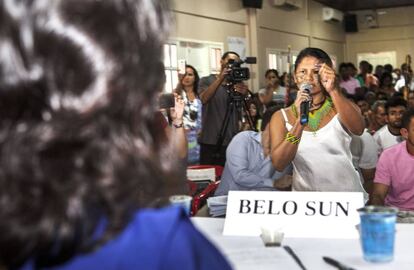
pixel 323 161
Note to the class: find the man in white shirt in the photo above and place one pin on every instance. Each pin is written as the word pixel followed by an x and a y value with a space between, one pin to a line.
pixel 389 134
pixel 365 157
pixel 405 75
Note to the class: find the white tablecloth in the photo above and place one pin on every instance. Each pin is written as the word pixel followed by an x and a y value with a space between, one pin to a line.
pixel 250 252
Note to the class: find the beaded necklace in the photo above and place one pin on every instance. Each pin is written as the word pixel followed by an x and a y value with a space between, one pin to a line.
pixel 316 116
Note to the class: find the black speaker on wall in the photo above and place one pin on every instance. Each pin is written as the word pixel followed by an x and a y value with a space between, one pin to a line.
pixel 252 3
pixel 350 23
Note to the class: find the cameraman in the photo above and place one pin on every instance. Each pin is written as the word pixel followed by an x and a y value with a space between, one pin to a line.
pixel 214 95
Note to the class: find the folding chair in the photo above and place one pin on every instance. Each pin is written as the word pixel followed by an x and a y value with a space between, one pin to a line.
pixel 206 178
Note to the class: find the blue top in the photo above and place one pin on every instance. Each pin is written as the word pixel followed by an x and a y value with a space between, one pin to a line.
pixel 154 239
pixel 192 127
pixel 246 166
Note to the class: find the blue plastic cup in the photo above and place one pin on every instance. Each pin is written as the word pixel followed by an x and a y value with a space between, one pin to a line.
pixel 183 201
pixel 377 232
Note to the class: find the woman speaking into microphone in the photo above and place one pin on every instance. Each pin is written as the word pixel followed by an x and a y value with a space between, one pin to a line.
pixel 318 145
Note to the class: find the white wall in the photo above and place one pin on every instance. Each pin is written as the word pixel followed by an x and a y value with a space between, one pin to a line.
pixel 212 20
pixel 279 28
pixel 215 20
pixel 395 32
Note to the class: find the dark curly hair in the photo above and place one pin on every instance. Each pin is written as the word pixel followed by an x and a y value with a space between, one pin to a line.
pixel 406 119
pixel 79 81
pixel 395 101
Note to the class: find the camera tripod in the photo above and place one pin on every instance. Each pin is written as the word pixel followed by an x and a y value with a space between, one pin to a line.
pixel 236 103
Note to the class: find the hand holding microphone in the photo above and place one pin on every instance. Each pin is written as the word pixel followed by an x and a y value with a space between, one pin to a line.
pixel 303 102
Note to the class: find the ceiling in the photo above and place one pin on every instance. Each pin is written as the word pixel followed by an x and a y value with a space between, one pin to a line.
pixel 348 5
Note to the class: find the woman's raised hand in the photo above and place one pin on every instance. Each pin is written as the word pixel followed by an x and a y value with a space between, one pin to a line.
pixel 327 77
pixel 178 111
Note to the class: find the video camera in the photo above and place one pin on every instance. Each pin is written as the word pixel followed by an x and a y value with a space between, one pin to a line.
pixel 237 73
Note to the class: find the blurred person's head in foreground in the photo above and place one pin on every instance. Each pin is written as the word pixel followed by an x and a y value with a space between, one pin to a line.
pixel 79 81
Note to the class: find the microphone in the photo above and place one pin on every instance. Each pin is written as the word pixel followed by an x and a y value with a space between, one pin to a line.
pixel 305 105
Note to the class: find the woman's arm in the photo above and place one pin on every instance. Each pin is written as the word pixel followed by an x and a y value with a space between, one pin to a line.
pixel 282 150
pixel 349 113
pixel 284 144
pixel 177 134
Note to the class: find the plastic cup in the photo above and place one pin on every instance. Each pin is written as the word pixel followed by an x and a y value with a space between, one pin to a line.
pixel 183 201
pixel 377 232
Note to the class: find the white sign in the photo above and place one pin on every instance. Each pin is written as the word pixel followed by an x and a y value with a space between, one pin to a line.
pixel 297 214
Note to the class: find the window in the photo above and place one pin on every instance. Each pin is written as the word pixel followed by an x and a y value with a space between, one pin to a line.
pixel 170 64
pixel 272 59
pixel 204 56
pixel 280 60
pixel 215 57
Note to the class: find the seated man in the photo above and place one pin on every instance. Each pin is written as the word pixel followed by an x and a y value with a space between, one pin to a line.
pixel 389 134
pixel 365 157
pixel 394 178
pixel 248 165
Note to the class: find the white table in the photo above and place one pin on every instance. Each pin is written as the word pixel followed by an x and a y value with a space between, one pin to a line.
pixel 250 252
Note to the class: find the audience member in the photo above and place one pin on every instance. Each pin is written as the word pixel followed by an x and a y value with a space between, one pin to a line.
pixel 264 96
pixel 383 96
pixel 365 77
pixel 396 75
pixel 248 165
pixel 273 93
pixel 353 70
pixel 319 150
pixel 365 156
pixel 347 82
pixel 398 95
pixel 291 89
pixel 370 98
pixel 394 181
pixel 378 117
pixel 273 84
pixel 410 101
pixel 389 134
pixel 284 79
pixel 388 68
pixel 405 79
pixel 254 116
pixel 187 89
pixel 216 98
pixel 360 92
pixel 386 85
pixel 372 81
pixel 365 109
pixel 80 152
pixel 379 70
